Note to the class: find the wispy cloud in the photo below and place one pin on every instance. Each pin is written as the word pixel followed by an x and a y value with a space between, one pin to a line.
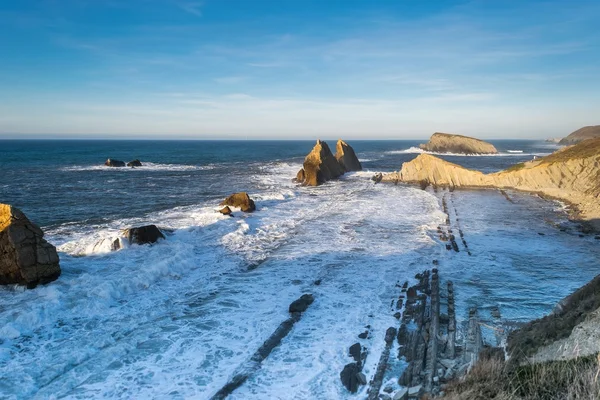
pixel 191 7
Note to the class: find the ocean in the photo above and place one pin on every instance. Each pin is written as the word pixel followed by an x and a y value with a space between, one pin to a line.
pixel 179 318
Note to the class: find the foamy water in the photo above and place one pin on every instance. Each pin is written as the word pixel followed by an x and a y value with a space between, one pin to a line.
pixel 178 318
pixel 508 153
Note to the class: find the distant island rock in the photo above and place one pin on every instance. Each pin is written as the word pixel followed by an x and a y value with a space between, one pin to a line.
pixel 585 133
pixel 114 163
pixel 571 174
pixel 320 165
pixel 25 256
pixel 449 143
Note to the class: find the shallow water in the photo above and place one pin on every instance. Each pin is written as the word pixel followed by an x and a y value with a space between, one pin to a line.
pixel 179 318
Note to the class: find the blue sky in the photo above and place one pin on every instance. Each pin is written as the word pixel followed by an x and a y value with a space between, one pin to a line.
pixel 298 68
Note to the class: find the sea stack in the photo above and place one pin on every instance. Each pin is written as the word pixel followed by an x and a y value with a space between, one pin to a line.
pixel 346 157
pixel 585 133
pixel 320 165
pixel 449 143
pixel 25 256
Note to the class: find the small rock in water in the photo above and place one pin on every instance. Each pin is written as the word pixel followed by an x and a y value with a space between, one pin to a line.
pixel 397 315
pixel 302 303
pixel 436 262
pixel 144 234
pixel 363 335
pixel 317 282
pixel 226 211
pixel 388 389
pixel 355 351
pixel 390 334
pixel 114 163
pixel 134 163
pixel 362 378
pixel 541 234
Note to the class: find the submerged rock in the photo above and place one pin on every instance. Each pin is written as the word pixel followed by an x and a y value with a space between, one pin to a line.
pixel 448 143
pixel 143 234
pixel 240 200
pixel 134 163
pixel 346 157
pixel 25 256
pixel 114 163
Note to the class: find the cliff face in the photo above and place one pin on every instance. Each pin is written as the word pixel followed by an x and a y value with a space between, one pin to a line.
pixel 587 132
pixel 572 174
pixel 320 165
pixel 447 143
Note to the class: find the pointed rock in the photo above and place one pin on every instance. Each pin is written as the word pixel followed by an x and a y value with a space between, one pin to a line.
pixel 320 165
pixel 345 155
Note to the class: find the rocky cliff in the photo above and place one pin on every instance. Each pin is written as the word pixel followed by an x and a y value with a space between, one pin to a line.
pixel 571 174
pixel 587 132
pixel 320 165
pixel 25 257
pixel 448 143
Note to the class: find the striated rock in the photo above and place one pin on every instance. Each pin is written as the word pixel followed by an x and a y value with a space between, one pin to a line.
pixel 585 133
pixel 448 143
pixel 240 200
pixel 320 166
pixel 302 303
pixel 114 163
pixel 346 157
pixel 571 174
pixel 134 163
pixel 25 257
pixel 143 234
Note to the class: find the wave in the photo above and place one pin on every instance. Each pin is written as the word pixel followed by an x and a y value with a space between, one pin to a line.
pixel 147 166
pixel 416 150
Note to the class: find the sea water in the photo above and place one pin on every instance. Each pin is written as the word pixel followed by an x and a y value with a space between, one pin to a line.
pixel 179 318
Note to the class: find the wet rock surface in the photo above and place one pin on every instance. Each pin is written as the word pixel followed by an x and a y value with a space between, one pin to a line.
pixel 240 200
pixel 143 234
pixel 114 163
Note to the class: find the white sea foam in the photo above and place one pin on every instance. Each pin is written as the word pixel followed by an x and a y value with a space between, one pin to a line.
pixel 417 150
pixel 175 319
pixel 146 166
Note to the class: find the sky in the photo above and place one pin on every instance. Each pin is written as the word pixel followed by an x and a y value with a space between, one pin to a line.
pixel 298 69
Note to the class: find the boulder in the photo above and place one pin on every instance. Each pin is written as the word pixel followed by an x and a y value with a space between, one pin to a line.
pixel 302 303
pixel 320 165
pixel 300 176
pixel 241 200
pixel 134 163
pixel 448 143
pixel 143 234
pixel 349 377
pixel 346 157
pixel 355 351
pixel 25 257
pixel 226 211
pixel 114 163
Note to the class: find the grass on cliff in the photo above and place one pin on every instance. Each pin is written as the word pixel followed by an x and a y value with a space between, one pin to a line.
pixel 587 148
pixel 515 167
pixel 492 378
pixel 575 308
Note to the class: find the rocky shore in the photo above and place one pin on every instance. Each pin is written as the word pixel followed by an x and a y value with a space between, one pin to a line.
pixel 571 174
pixel 449 143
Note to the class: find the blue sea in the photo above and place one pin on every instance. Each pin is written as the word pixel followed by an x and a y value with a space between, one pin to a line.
pixel 179 318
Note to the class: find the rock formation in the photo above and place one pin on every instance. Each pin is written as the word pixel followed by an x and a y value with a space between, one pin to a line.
pixel 346 157
pixel 448 143
pixel 587 132
pixel 571 174
pixel 114 163
pixel 25 257
pixel 320 165
pixel 143 234
pixel 226 211
pixel 240 200
pixel 134 163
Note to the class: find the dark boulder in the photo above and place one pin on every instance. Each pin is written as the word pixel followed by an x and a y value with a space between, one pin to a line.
pixel 302 303
pixel 241 200
pixel 349 377
pixel 143 234
pixel 114 163
pixel 134 163
pixel 25 257
pixel 390 334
